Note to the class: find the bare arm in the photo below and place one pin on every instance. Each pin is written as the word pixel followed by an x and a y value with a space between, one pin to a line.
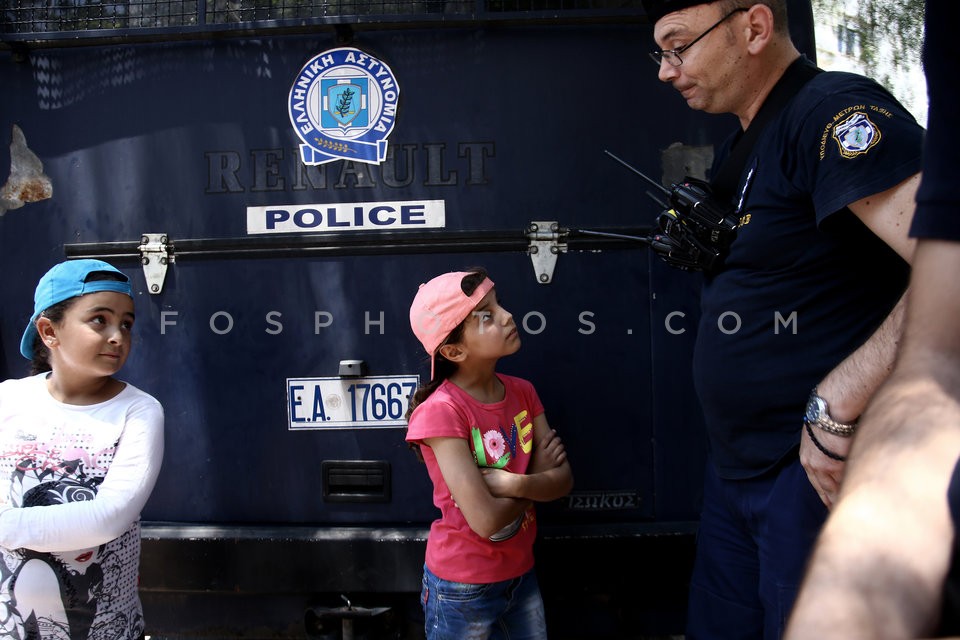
pixel 853 381
pixel 120 498
pixel 848 387
pixel 879 566
pixel 550 476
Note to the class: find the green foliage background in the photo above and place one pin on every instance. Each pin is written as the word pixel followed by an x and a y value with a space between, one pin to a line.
pixel 893 25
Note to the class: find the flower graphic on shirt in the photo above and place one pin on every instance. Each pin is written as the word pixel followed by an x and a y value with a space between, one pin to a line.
pixel 489 448
pixel 494 443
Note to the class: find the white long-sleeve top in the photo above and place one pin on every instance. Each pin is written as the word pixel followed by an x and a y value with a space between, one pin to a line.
pixel 73 480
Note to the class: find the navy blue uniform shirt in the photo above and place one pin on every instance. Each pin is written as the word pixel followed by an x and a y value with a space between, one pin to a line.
pixel 805 282
pixel 938 203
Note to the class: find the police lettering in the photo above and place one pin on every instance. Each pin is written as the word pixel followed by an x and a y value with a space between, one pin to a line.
pixel 357 217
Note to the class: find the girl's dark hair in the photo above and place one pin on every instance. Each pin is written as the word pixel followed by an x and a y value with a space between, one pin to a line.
pixel 443 368
pixel 40 363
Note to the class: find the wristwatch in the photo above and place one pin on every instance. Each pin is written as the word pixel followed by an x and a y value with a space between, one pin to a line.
pixel 817 415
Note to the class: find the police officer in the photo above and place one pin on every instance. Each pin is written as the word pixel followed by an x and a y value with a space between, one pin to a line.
pixel 828 165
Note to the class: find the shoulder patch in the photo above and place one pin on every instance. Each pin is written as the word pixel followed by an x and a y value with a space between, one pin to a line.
pixel 856 135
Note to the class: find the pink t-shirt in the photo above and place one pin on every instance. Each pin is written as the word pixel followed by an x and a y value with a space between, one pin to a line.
pixel 500 435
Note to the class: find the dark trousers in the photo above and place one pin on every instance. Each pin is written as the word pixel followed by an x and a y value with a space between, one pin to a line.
pixel 754 540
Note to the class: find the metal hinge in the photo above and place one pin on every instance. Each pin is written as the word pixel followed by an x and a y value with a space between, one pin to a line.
pixel 546 243
pixel 155 255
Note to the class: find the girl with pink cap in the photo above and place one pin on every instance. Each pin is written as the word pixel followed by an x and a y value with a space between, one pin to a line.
pixel 490 454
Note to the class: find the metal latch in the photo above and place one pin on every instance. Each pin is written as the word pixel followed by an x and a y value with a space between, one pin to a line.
pixel 155 255
pixel 546 243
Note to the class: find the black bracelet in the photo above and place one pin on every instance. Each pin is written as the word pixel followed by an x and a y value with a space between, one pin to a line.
pixel 823 449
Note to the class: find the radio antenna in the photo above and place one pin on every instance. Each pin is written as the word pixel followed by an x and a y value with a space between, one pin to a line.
pixel 639 173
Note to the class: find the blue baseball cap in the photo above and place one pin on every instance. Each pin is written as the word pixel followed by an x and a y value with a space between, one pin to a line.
pixel 64 281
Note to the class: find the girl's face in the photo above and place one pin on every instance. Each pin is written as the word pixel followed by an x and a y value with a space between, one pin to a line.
pixel 94 335
pixel 489 331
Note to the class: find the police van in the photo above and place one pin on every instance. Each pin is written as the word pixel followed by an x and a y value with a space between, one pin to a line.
pixel 277 178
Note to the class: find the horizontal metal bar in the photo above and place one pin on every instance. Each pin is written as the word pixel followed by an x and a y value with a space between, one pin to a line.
pixel 189 558
pixel 360 244
pixel 155 530
pixel 152 530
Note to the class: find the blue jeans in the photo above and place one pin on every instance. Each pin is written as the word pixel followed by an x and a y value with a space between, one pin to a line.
pixel 752 547
pixel 508 610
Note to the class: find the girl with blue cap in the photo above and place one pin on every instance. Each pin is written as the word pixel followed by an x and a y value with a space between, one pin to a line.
pixel 80 451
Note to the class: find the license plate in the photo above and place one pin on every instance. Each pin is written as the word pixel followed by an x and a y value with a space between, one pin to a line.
pixel 346 403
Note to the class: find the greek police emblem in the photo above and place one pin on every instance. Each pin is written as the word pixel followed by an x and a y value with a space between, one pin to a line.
pixel 856 135
pixel 343 105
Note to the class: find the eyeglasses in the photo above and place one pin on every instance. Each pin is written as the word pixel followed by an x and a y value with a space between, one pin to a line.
pixel 673 55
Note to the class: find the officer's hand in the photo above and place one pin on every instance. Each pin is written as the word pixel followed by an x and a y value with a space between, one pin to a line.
pixel 824 472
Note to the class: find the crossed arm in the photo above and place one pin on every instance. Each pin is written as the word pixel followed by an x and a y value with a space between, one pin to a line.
pixel 118 502
pixel 490 499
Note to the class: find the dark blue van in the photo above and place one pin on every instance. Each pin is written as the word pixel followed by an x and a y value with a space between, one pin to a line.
pixel 277 178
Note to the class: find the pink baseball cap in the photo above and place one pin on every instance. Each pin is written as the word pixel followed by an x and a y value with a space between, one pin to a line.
pixel 440 305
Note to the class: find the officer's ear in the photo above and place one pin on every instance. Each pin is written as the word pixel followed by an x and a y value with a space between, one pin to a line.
pixel 760 28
